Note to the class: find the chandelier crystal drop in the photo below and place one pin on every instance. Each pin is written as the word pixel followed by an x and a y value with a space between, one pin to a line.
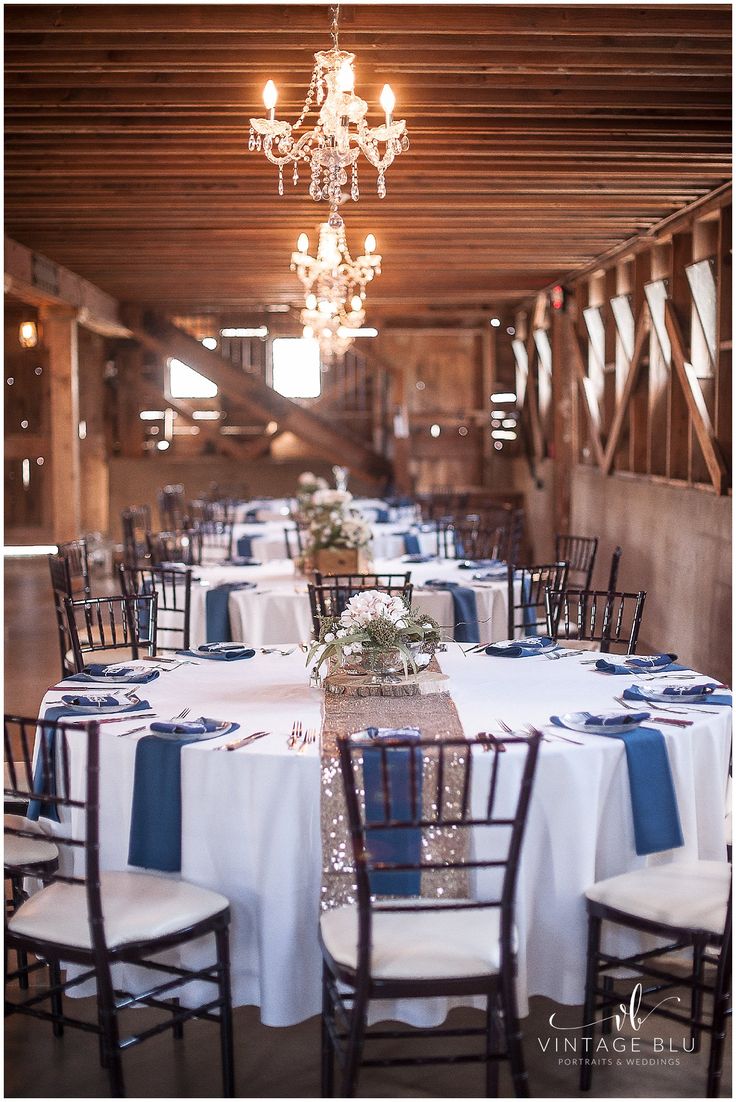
pixel 335 288
pixel 332 147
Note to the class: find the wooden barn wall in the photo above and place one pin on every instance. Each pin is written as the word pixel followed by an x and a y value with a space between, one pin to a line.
pixel 442 381
pixel 632 457
pixel 677 547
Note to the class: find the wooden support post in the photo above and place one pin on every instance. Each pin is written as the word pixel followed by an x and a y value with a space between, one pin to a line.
pixel 696 403
pixel 563 383
pixel 488 386
pixel 679 457
pixel 60 338
pixel 403 482
pixel 130 435
pixel 587 392
pixel 640 335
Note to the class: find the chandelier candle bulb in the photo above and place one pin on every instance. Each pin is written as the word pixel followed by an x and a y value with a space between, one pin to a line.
pixel 303 243
pixel 270 97
pixel 388 102
pixel 332 145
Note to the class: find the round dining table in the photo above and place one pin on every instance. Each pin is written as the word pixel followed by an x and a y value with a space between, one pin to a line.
pixel 276 605
pixel 250 818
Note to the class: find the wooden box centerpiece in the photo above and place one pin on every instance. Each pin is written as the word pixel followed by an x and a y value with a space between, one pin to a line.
pixel 341 560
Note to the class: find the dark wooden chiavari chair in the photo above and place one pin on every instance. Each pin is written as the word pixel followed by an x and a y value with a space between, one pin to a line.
pixel 110 628
pixel 527 587
pixel 417 946
pixel 173 589
pixel 172 507
pixel 95 919
pixel 31 847
pixel 181 546
pixel 596 616
pixel 330 593
pixel 294 541
pixel 697 920
pixel 135 521
pixel 74 554
pixel 579 552
pixel 471 541
pixel 613 573
pixel 216 540
pixel 61 588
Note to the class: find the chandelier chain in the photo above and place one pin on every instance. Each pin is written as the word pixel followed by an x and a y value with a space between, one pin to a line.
pixel 334 31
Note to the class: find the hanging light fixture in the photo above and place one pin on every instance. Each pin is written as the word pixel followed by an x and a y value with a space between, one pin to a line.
pixel 335 285
pixel 28 334
pixel 331 147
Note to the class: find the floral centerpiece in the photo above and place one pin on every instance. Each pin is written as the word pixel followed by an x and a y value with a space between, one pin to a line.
pixel 376 633
pixel 308 485
pixel 336 538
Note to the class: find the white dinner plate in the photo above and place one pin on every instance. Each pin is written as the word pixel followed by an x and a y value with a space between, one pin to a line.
pixel 534 641
pixel 682 695
pixel 576 721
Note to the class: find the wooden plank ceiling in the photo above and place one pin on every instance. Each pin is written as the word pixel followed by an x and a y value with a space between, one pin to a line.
pixel 540 138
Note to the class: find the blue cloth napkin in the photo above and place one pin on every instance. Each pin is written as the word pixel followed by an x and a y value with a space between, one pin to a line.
pixel 465 609
pixel 251 518
pixel 36 808
pixel 639 665
pixel 411 543
pixel 155 820
pixel 382 516
pixel 218 616
pixel 522 648
pixel 493 575
pixel 398 845
pixel 241 560
pixel 97 673
pixel 216 653
pixel 653 800
pixel 418 558
pixel 635 693
pixel 245 547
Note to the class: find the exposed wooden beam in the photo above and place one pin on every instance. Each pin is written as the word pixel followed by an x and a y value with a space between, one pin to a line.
pixel 159 335
pixel 696 402
pixel 590 404
pixel 632 375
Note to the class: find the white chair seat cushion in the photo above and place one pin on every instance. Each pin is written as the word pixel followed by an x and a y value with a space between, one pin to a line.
pixel 27 851
pixel 689 894
pixel 135 906
pixel 109 654
pixel 417 946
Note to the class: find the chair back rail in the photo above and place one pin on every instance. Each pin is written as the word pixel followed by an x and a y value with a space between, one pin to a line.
pixel 500 802
pixel 124 623
pixel 607 617
pixel 330 593
pixel 173 589
pixel 74 554
pixel 527 586
pixel 48 781
pixel 580 552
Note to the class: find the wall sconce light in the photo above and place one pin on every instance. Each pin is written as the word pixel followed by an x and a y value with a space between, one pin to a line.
pixel 28 334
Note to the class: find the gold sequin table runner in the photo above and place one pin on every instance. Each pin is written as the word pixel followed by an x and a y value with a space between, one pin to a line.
pixel 435 714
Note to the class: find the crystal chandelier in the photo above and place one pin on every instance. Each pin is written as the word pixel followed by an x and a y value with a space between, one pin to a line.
pixel 335 288
pixel 331 147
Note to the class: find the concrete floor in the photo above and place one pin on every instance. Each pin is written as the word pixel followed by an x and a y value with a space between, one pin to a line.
pixel 284 1063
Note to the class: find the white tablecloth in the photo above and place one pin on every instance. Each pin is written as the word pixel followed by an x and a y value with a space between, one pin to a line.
pixel 278 608
pixel 268 541
pixel 251 818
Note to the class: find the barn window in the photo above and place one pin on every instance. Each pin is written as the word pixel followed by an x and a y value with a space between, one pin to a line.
pixel 185 382
pixel 296 367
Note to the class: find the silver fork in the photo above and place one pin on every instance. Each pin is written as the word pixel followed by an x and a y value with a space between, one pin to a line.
pixel 296 734
pixel 309 737
pixel 675 711
pixel 533 731
pixel 509 730
pixel 182 715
